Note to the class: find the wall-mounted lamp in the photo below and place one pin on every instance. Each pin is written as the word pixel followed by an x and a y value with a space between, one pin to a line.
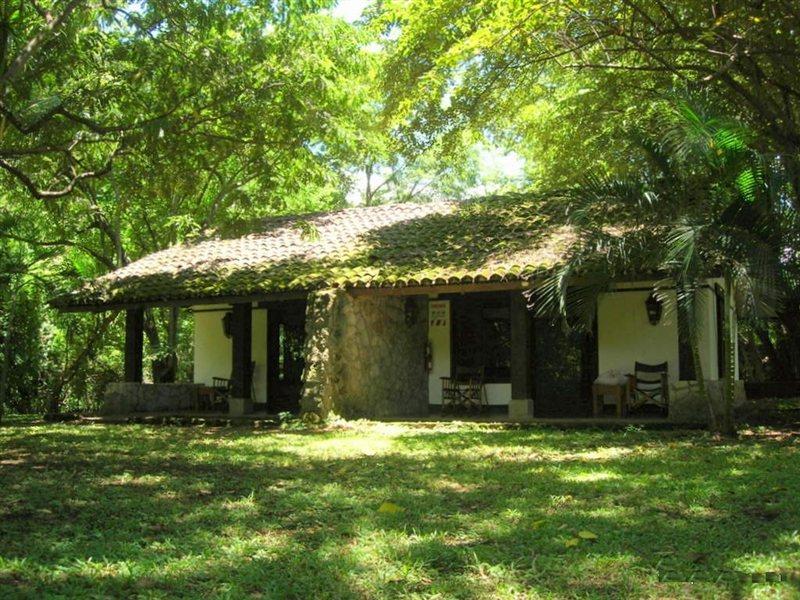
pixel 654 308
pixel 227 324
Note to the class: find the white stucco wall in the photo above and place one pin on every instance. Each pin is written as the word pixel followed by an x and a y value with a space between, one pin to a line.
pixel 497 394
pixel 439 340
pixel 625 335
pixel 212 350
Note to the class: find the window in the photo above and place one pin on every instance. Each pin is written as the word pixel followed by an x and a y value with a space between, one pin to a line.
pixel 481 335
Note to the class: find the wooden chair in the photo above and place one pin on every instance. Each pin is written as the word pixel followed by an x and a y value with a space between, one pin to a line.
pixel 222 391
pixel 451 395
pixel 465 391
pixel 473 387
pixel 222 388
pixel 649 384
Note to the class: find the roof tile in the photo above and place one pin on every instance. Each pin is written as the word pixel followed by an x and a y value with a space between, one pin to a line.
pixel 388 245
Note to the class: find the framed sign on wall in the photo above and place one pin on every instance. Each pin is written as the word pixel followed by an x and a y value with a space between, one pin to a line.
pixel 439 314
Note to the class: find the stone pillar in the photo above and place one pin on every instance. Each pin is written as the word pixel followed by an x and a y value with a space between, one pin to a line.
pixel 320 375
pixel 521 405
pixel 365 355
pixel 382 348
pixel 134 344
pixel 240 401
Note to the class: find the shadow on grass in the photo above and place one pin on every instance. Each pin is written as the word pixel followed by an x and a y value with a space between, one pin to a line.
pixel 480 513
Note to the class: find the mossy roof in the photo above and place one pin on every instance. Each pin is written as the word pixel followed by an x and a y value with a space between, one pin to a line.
pixel 496 239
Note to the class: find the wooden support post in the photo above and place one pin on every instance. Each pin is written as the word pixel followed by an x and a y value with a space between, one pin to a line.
pixel 521 365
pixel 134 344
pixel 241 329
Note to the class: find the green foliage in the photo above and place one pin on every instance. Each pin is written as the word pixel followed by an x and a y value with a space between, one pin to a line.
pixel 213 116
pixel 564 82
pixel 23 348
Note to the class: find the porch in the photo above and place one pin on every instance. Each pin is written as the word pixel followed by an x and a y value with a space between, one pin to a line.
pixel 265 420
pixel 384 354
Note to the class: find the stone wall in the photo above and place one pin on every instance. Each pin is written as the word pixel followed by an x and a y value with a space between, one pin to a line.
pixel 121 398
pixel 363 356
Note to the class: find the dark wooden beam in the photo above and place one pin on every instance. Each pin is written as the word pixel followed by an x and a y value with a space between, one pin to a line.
pixel 450 288
pixel 521 348
pixel 134 344
pixel 186 302
pixel 241 329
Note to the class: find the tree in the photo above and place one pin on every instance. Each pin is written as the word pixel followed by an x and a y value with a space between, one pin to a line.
pixel 565 84
pixel 704 204
pixel 237 110
pixel 81 83
pixel 457 65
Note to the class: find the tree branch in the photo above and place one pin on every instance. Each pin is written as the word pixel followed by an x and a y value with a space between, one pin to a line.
pixel 52 24
pixel 44 194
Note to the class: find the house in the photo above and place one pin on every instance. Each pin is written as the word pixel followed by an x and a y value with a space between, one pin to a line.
pixel 364 311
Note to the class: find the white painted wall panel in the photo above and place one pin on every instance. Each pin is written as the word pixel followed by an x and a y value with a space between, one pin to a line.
pixel 439 339
pixel 625 335
pixel 212 350
pixel 259 350
pixel 497 394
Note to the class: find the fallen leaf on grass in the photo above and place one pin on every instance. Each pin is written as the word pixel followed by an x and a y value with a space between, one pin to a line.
pixel 571 542
pixel 698 558
pixel 537 524
pixel 389 508
pixel 587 535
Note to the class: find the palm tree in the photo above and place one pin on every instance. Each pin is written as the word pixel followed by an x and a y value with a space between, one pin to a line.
pixel 701 203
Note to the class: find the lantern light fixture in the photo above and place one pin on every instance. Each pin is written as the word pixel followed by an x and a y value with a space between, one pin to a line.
pixel 227 324
pixel 654 308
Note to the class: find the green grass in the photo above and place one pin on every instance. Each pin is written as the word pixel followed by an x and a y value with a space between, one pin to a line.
pixel 156 512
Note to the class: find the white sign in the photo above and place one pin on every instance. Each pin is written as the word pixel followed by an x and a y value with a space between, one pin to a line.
pixel 439 313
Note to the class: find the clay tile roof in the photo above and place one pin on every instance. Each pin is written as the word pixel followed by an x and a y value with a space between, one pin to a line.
pixel 389 245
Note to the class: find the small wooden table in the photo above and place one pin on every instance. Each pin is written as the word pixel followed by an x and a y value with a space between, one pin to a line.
pixel 618 390
pixel 205 397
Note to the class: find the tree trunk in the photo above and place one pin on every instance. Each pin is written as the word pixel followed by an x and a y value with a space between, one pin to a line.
pixel 5 367
pixel 729 353
pixel 713 420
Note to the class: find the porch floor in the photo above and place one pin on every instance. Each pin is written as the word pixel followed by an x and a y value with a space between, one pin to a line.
pixel 265 419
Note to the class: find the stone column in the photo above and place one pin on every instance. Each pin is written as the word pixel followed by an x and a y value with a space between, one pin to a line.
pixel 382 349
pixel 320 373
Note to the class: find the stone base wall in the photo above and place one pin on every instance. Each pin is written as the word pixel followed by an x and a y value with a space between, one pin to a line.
pixel 686 405
pixel 124 397
pixel 365 356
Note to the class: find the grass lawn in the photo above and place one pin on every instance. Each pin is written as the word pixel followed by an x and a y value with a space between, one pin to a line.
pixel 390 510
